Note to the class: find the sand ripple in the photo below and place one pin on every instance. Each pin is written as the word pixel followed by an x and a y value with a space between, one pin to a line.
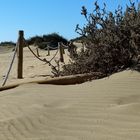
pixel 106 109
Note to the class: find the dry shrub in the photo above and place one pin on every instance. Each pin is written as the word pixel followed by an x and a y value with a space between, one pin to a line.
pixel 112 41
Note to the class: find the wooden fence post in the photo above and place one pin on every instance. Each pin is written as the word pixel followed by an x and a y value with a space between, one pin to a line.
pixel 48 50
pixel 61 52
pixel 20 46
pixel 63 47
pixel 37 51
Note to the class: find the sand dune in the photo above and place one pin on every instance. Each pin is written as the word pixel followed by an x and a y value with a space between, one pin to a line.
pixel 105 109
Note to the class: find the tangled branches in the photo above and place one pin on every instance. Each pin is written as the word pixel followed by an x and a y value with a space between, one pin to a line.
pixel 112 40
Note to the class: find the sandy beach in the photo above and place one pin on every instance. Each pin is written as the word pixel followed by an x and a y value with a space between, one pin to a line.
pixel 104 109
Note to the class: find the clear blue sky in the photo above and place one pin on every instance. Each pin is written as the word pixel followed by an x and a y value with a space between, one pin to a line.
pixel 38 17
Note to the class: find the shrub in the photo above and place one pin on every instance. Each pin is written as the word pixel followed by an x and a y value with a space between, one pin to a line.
pixel 50 39
pixel 7 43
pixel 35 40
pixel 112 41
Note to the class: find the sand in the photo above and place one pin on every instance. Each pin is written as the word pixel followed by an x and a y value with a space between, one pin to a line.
pixel 105 109
pixel 32 67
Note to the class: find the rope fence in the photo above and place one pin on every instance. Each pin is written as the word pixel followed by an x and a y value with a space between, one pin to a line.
pixel 19 51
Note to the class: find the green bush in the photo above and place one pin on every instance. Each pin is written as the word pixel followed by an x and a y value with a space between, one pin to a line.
pixel 112 41
pixel 7 43
pixel 50 39
pixel 35 40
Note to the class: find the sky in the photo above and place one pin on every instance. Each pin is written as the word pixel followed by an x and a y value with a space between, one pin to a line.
pixel 38 17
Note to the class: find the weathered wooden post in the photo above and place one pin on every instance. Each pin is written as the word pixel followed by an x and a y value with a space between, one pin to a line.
pixel 48 48
pixel 20 46
pixel 37 51
pixel 61 52
pixel 63 47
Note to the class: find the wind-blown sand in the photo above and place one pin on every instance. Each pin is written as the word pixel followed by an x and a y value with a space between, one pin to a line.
pixel 105 109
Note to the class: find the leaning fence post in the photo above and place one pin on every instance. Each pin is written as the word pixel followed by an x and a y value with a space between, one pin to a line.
pixel 61 52
pixel 20 46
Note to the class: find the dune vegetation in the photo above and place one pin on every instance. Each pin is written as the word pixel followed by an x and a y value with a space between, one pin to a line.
pixel 48 39
pixel 111 41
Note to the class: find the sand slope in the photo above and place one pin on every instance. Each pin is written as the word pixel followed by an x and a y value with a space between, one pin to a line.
pixel 105 109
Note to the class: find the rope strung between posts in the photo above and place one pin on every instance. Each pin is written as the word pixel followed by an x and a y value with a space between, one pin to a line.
pixel 53 48
pixel 44 59
pixel 50 47
pixel 10 67
pixel 64 46
pixel 54 56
